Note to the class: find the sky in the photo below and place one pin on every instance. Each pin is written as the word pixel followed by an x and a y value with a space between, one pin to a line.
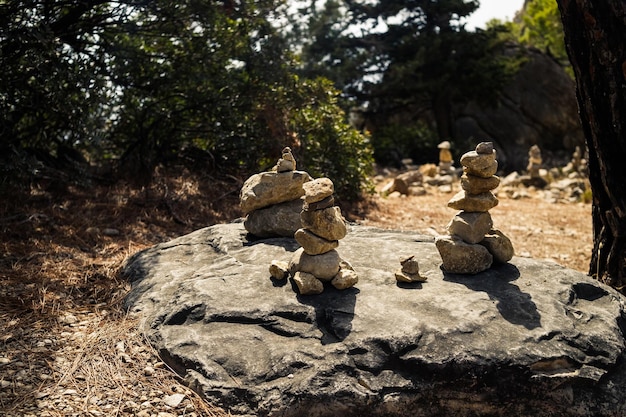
pixel 490 9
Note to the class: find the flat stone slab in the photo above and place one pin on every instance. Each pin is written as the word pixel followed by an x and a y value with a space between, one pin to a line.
pixel 525 338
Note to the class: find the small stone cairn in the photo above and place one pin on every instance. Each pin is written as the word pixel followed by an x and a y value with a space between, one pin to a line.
pixel 473 244
pixel 445 166
pixel 317 261
pixel 272 200
pixel 445 170
pixel 409 271
pixel 534 178
pixel 577 165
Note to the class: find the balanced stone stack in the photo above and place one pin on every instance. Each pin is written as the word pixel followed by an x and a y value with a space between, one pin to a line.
pixel 272 200
pixel 445 166
pixel 534 178
pixel 473 244
pixel 323 226
pixel 409 270
pixel 446 172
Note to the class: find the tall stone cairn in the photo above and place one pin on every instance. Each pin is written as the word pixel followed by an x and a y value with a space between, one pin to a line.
pixel 472 244
pixel 323 226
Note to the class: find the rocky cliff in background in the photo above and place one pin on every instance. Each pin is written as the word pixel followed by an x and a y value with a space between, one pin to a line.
pixel 538 107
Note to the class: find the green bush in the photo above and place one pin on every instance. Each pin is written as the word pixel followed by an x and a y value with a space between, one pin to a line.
pixel 394 142
pixel 330 147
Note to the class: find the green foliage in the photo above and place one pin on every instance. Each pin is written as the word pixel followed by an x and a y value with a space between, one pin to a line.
pixel 541 27
pixel 407 61
pixel 139 82
pixel 395 141
pixel 329 147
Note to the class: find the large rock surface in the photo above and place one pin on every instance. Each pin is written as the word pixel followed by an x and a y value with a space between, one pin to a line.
pixel 524 338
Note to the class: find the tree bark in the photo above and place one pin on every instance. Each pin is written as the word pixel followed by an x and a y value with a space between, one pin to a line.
pixel 595 38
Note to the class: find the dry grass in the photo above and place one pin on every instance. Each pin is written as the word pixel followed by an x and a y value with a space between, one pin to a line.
pixel 67 346
pixel 60 293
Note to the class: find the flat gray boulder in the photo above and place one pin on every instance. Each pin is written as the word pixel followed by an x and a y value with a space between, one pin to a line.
pixel 524 338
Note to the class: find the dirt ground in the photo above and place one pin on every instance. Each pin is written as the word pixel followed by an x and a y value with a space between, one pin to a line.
pixel 68 349
pixel 560 232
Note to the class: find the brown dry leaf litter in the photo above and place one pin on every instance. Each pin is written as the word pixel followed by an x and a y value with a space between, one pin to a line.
pixel 67 349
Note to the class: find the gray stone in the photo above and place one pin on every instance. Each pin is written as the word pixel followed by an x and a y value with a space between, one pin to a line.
pixel 484 148
pixel 318 190
pixel 284 165
pixel 287 162
pixel 528 337
pixel 480 165
pixel 268 188
pixel 307 283
pixel 281 219
pixel 478 185
pixel 470 226
pixel 327 223
pixel 473 202
pixel 313 244
pixel 499 246
pixel 460 257
pixel 319 205
pixel 324 266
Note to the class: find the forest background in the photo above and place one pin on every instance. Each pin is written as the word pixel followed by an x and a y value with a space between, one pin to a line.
pixel 128 123
pixel 102 91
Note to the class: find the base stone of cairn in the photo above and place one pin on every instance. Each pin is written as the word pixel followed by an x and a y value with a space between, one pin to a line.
pixel 473 244
pixel 323 226
pixel 272 200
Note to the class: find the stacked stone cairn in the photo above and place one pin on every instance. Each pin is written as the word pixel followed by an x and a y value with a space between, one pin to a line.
pixel 534 178
pixel 317 261
pixel 409 271
pixel 272 200
pixel 473 245
pixel 445 166
pixel 446 172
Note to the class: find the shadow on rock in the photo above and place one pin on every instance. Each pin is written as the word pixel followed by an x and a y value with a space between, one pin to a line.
pixel 409 285
pixel 515 306
pixel 289 244
pixel 334 311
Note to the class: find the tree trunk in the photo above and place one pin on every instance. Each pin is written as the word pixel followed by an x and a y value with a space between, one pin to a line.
pixel 595 40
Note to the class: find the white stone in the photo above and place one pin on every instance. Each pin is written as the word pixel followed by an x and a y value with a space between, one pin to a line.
pixel 173 400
